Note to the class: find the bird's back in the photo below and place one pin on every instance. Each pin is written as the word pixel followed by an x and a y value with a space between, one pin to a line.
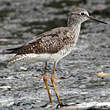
pixel 50 42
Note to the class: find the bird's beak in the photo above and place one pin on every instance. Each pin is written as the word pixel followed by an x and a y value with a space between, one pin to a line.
pixel 94 19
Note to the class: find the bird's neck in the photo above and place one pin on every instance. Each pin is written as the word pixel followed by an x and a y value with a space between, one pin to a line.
pixel 75 29
pixel 73 25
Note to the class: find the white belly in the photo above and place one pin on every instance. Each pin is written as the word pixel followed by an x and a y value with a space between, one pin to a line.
pixel 46 56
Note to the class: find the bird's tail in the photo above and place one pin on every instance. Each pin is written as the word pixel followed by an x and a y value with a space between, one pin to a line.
pixel 13 59
pixel 9 51
pixel 6 52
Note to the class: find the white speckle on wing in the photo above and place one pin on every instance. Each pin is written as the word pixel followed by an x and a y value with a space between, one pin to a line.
pixel 46 56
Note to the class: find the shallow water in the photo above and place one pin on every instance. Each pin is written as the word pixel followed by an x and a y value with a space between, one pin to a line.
pixel 20 21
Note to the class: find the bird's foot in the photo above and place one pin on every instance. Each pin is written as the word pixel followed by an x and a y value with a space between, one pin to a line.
pixel 47 105
pixel 61 105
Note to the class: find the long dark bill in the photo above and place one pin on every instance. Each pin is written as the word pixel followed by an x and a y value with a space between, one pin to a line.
pixel 90 17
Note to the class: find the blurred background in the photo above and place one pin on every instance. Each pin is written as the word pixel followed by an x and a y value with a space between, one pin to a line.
pixel 21 21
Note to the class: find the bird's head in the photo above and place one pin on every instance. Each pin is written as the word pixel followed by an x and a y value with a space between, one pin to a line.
pixel 80 15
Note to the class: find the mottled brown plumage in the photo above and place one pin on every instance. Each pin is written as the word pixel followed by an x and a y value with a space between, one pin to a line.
pixel 48 42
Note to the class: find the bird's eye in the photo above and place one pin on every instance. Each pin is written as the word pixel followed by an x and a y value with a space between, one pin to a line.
pixel 82 14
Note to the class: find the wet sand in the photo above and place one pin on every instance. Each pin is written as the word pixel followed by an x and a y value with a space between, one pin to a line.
pixel 21 21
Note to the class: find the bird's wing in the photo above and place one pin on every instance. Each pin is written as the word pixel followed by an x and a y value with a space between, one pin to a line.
pixel 48 42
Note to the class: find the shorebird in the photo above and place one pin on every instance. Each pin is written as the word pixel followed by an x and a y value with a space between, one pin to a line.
pixel 53 45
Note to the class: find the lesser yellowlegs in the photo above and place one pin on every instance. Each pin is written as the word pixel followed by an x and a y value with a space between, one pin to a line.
pixel 52 45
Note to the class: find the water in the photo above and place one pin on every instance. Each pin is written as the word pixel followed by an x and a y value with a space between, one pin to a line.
pixel 20 21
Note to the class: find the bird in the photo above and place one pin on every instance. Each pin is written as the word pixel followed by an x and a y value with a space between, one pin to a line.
pixel 52 46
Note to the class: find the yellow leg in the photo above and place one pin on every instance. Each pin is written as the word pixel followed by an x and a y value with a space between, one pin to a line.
pixel 53 83
pixel 45 81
